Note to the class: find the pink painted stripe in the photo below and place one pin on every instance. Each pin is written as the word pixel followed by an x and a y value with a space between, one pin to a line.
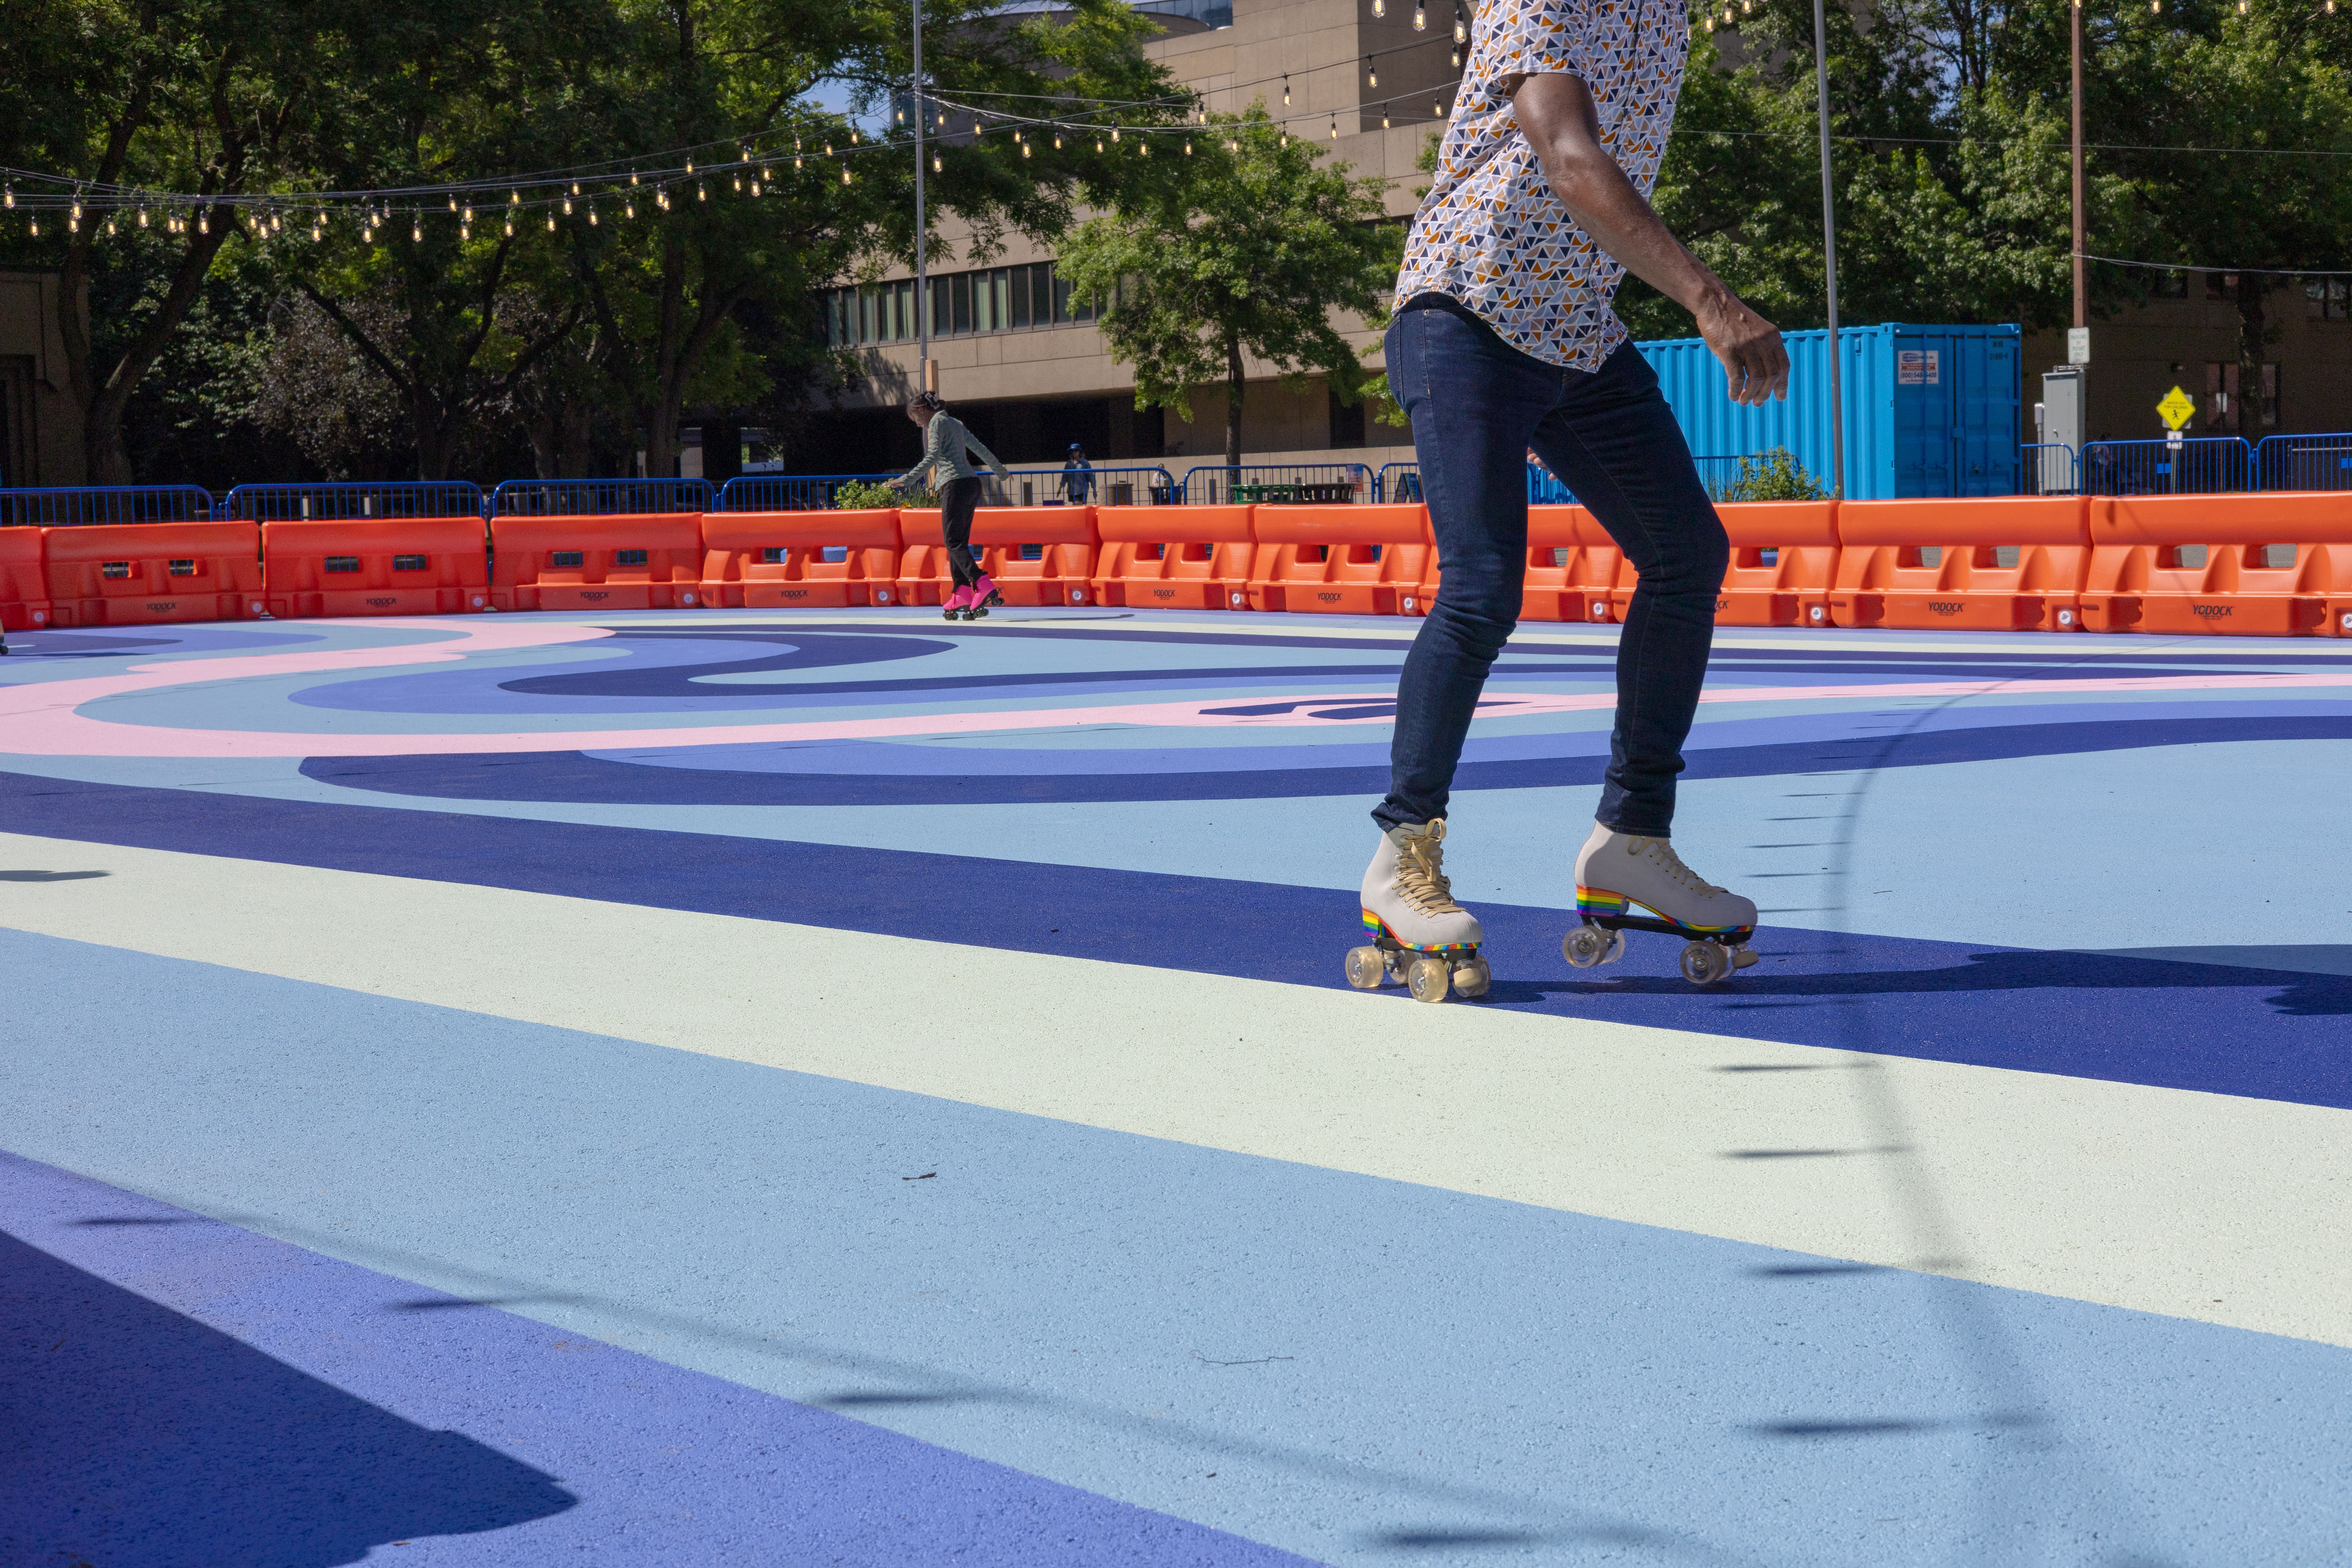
pixel 42 719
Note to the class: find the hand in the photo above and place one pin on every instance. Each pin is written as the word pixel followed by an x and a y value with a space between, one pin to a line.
pixel 1755 361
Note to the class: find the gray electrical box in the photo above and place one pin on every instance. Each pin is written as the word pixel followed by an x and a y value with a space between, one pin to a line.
pixel 2052 472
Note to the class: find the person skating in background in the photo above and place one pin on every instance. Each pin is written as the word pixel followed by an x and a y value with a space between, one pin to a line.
pixel 1504 341
pixel 1077 477
pixel 947 446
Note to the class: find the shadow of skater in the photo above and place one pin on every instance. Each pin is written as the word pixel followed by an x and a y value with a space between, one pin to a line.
pixel 139 1438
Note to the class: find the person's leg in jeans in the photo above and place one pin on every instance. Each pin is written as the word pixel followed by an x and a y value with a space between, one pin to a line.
pixel 1614 441
pixel 957 503
pixel 1474 402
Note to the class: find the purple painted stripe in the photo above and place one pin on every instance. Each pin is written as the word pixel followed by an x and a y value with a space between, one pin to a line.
pixel 182 1393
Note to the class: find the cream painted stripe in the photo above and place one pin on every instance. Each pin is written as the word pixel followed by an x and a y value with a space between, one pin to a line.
pixel 2198 1205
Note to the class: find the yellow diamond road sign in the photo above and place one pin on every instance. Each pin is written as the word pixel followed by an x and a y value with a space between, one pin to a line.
pixel 2176 408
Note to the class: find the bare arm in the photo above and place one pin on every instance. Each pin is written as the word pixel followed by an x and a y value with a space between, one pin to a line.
pixel 1556 116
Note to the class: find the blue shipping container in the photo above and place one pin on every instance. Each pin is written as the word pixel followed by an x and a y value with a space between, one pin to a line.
pixel 1930 411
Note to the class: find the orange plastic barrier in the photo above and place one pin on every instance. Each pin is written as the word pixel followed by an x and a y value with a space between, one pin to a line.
pixel 1061 572
pixel 1174 557
pixel 1574 568
pixel 642 561
pixel 2013 563
pixel 112 575
pixel 1340 560
pixel 1784 563
pixel 2270 564
pixel 776 560
pixel 383 566
pixel 24 589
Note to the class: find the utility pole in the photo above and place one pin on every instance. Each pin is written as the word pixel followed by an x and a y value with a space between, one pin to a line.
pixel 2081 279
pixel 927 374
pixel 1829 253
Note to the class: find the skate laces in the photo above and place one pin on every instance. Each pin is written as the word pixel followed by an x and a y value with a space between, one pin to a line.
pixel 1421 880
pixel 1661 854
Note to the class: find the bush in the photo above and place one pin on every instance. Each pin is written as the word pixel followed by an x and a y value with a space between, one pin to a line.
pixel 854 495
pixel 1775 475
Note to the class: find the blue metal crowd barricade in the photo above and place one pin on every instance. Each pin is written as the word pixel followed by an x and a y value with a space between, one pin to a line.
pixel 2201 464
pixel 342 502
pixel 1141 485
pixel 1278 484
pixel 788 492
pixel 599 498
pixel 2308 462
pixel 2048 468
pixel 69 506
pixel 1404 490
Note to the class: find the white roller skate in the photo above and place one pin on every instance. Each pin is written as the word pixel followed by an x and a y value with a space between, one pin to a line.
pixel 1618 873
pixel 1419 935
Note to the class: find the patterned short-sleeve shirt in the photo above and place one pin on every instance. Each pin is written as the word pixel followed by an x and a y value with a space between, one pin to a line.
pixel 1490 233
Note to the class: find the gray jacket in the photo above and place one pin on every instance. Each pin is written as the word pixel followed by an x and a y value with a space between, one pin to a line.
pixel 945 441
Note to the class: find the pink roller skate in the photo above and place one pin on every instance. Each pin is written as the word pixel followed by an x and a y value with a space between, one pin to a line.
pixel 983 594
pixel 958 602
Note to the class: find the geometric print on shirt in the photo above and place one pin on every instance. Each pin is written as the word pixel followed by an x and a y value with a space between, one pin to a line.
pixel 1490 233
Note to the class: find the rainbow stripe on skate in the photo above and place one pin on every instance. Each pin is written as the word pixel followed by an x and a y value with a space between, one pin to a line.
pixel 1379 927
pixel 1599 902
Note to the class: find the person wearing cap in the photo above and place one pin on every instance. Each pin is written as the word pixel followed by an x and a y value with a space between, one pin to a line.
pixel 1077 476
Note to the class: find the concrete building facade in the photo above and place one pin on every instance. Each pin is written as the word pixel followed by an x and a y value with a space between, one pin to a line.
pixel 1023 361
pixel 41 422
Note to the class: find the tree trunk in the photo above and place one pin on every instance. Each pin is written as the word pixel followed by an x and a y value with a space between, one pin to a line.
pixel 1234 388
pixel 2251 289
pixel 105 399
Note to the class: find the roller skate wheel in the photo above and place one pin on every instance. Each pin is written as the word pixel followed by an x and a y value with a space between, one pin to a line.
pixel 1428 979
pixel 1472 978
pixel 1704 963
pixel 1616 947
pixel 1368 968
pixel 1586 946
pixel 1743 957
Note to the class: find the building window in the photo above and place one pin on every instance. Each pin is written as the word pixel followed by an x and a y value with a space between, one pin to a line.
pixel 2327 298
pixel 2222 388
pixel 995 300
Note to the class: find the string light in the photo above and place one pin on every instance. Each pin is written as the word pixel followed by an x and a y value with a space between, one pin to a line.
pixel 416 232
pixel 509 225
pixel 1461 27
pixel 739 185
pixel 1188 146
pixel 1372 71
pixel 1380 7
pixel 689 164
pixel 317 234
pixel 1285 92
pixel 1143 148
pixel 36 228
pixel 755 184
pixel 567 206
pixel 592 215
pixel 1098 146
pixel 845 174
pixel 514 198
pixel 1057 141
pixel 469 218
pixel 628 206
pixel 143 217
pixel 633 173
pixel 1420 19
pixel 11 200
pixel 110 226
pixel 935 162
pixel 203 220
pixel 702 196
pixel 551 222
pixel 1384 121
pixel 1113 132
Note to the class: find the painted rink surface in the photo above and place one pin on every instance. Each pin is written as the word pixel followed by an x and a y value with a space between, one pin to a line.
pixel 847 1088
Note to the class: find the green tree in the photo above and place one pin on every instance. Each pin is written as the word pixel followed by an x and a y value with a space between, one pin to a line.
pixel 1249 252
pixel 152 113
pixel 2235 86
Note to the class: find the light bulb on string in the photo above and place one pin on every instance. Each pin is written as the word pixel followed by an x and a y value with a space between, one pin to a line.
pixel 509 225
pixel 1113 132
pixel 416 232
pixel 143 217
pixel 567 206
pixel 1098 145
pixel 75 219
pixel 453 204
pixel 690 165
pixel 845 174
pixel 1285 92
pixel 514 198
pixel 110 227
pixel 551 222
pixel 1456 56
pixel 468 216
pixel 935 162
pixel 277 222
pixel 1384 122
pixel 317 234
pixel 1372 72
pixel 633 173
pixel 701 195
pixel 37 227
pixel 755 184
pixel 11 198
pixel 1188 146
pixel 592 215
pixel 205 220
pixel 1143 148
pixel 1380 7
pixel 628 206
pixel 739 185
pixel 746 150
pixel 1420 19
pixel 1461 27
pixel 1057 141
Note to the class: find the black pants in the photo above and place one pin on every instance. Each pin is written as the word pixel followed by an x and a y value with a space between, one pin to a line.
pixel 957 503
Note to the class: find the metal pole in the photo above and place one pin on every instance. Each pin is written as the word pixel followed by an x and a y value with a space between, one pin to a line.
pixel 2082 279
pixel 922 281
pixel 1829 254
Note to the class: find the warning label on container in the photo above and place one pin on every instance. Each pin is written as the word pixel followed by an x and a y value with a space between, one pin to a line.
pixel 1918 367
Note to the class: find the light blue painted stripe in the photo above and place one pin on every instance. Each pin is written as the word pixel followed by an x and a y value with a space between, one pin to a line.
pixel 1374 1371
